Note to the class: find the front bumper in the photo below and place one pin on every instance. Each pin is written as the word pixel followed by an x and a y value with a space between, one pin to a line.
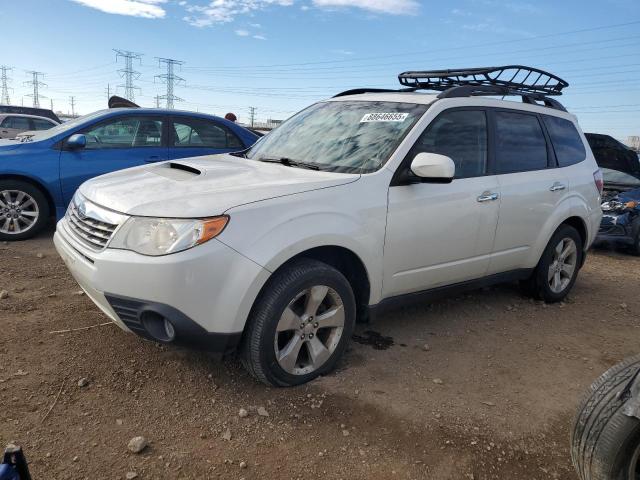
pixel 615 229
pixel 205 292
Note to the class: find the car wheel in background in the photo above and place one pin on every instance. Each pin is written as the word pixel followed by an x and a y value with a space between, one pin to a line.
pixel 558 267
pixel 24 210
pixel 300 325
pixel 605 442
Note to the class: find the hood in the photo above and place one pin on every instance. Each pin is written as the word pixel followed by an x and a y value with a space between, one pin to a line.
pixel 8 145
pixel 202 186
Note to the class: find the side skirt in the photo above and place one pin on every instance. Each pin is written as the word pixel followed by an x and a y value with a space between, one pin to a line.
pixel 432 294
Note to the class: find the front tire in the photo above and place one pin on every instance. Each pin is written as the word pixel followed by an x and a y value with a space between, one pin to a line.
pixel 300 325
pixel 605 443
pixel 24 210
pixel 558 267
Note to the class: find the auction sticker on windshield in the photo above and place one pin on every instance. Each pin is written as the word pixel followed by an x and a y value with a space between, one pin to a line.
pixel 384 117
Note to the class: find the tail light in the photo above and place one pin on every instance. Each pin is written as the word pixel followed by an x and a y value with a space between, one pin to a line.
pixel 599 180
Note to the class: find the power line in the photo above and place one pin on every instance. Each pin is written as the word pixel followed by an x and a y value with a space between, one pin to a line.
pixel 4 97
pixel 35 83
pixel 128 73
pixel 170 79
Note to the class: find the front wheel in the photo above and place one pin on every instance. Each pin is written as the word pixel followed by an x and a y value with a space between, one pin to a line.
pixel 300 325
pixel 24 210
pixel 558 267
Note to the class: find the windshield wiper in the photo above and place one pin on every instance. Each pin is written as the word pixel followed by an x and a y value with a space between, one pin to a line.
pixel 290 163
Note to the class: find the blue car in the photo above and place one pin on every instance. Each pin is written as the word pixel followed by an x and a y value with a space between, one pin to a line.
pixel 40 173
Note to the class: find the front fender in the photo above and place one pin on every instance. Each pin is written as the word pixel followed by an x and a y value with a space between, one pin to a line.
pixel 273 231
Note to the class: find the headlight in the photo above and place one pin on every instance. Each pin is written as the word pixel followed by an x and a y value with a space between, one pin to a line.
pixel 162 236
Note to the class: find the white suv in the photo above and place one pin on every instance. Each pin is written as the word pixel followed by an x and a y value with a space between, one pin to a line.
pixel 349 206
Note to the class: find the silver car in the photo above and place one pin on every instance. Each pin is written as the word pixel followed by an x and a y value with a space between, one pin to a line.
pixel 11 124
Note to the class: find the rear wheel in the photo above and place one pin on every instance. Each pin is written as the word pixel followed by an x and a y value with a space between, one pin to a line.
pixel 558 267
pixel 24 210
pixel 300 325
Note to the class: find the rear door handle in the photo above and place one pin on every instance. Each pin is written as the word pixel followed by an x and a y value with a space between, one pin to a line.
pixel 557 186
pixel 487 197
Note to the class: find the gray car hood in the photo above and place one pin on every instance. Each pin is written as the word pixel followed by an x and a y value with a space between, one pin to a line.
pixel 202 186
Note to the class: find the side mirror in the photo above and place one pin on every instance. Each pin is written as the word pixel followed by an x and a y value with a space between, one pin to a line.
pixel 433 167
pixel 77 141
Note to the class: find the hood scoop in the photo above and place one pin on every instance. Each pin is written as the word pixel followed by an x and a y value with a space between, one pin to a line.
pixel 177 171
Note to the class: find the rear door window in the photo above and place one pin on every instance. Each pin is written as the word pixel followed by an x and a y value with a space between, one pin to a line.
pixel 566 141
pixel 197 132
pixel 19 123
pixel 520 143
pixel 39 124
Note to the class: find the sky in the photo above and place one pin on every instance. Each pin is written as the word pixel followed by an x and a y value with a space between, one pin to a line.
pixel 282 55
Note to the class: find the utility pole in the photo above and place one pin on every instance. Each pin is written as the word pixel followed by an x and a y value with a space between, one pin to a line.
pixel 4 98
pixel 252 115
pixel 36 84
pixel 170 79
pixel 128 73
pixel 72 101
pixel 108 92
pixel 51 104
pixel 157 101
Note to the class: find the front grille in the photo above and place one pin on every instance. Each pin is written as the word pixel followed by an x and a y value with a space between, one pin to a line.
pixel 90 231
pixel 611 230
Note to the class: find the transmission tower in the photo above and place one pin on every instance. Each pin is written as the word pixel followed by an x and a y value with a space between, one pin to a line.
pixel 36 84
pixel 128 73
pixel 252 115
pixel 170 79
pixel 4 98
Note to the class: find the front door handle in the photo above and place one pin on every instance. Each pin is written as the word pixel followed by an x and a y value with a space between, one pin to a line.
pixel 487 197
pixel 557 186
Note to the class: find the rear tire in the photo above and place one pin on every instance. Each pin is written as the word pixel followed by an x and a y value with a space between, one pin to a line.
pixel 300 325
pixel 605 443
pixel 24 210
pixel 558 267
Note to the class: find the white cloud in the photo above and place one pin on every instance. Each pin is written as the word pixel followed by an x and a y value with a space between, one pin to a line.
pixel 225 11
pixel 242 33
pixel 134 8
pixel 394 7
pixel 259 37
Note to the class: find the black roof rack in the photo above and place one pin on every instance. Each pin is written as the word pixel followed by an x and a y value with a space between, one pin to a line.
pixel 516 79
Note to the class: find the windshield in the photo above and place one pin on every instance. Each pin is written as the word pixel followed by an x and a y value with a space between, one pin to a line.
pixel 341 136
pixel 63 127
pixel 619 178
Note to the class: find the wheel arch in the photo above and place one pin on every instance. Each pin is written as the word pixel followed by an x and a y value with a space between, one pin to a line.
pixel 580 225
pixel 347 262
pixel 35 183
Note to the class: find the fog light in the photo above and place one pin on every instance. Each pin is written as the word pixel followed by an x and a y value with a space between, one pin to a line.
pixel 171 332
pixel 158 326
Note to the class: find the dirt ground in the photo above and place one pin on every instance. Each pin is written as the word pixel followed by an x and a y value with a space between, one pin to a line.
pixel 490 396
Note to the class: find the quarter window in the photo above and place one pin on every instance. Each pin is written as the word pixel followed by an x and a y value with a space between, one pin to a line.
pixel 460 135
pixel 566 141
pixel 520 143
pixel 127 132
pixel 202 133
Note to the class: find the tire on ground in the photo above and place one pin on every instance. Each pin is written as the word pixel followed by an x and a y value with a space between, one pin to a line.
pixel 537 286
pixel 40 199
pixel 257 351
pixel 603 438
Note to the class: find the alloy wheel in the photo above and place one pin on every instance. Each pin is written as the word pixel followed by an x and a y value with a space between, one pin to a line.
pixel 309 330
pixel 18 212
pixel 563 265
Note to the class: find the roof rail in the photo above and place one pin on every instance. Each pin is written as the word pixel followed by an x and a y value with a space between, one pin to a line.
pixel 517 78
pixel 358 91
